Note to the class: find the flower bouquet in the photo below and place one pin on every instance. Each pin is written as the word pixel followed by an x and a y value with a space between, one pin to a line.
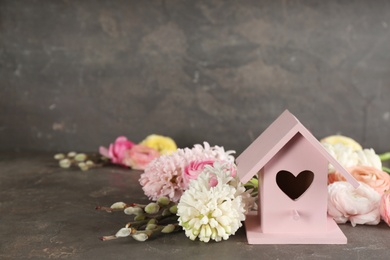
pixel 197 189
pixel 361 205
pixel 122 152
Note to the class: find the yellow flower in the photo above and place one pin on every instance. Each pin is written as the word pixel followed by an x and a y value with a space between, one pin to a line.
pixel 347 141
pixel 163 144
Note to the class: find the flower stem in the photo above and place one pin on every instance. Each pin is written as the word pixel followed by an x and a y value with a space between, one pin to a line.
pixel 385 156
pixel 107 209
pixel 105 238
pixel 145 222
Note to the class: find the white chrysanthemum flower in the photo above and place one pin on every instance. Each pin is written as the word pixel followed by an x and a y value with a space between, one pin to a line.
pixel 212 212
pixel 223 168
pixel 347 157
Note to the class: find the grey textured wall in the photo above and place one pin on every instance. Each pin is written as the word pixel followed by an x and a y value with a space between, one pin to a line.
pixel 76 74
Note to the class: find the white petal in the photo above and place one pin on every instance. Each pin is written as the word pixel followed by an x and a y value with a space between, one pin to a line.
pixel 140 236
pixel 123 232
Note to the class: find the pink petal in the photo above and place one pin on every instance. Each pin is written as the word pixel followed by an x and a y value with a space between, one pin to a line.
pixel 104 151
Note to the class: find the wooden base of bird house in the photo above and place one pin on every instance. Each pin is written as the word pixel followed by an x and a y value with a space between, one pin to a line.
pixel 255 235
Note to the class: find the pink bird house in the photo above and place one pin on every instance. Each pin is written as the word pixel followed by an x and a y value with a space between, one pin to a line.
pixel 292 168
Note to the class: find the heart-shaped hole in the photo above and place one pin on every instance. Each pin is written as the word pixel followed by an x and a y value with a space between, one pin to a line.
pixel 293 186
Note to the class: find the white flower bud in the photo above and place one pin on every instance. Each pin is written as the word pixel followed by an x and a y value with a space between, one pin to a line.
pixel 59 156
pixel 163 201
pixel 139 217
pixel 83 166
pixel 166 212
pixel 90 163
pixel 150 226
pixel 152 221
pixel 168 228
pixel 123 232
pixel 80 157
pixel 65 163
pixel 133 211
pixel 173 209
pixel 72 154
pixel 140 237
pixel 118 205
pixel 152 208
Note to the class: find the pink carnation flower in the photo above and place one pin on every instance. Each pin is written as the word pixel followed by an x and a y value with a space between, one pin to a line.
pixel 164 175
pixel 385 207
pixel 193 169
pixel 139 156
pixel 359 206
pixel 116 151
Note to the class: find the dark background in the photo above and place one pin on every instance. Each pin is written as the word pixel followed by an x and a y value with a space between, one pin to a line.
pixel 76 74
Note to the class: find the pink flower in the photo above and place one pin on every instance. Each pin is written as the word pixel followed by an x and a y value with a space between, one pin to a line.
pixel 359 206
pixel 376 179
pixel 139 156
pixel 116 151
pixel 164 175
pixel 385 207
pixel 193 169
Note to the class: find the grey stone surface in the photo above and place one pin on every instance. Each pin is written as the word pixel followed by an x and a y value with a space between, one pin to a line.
pixel 48 213
pixel 76 74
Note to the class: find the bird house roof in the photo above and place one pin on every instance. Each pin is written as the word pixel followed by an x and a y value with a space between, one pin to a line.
pixel 272 140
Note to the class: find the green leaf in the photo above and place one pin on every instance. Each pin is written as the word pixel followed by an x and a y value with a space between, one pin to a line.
pixel 385 156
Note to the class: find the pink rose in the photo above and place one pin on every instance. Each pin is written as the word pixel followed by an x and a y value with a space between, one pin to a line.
pixel 116 151
pixel 376 179
pixel 139 156
pixel 385 207
pixel 359 206
pixel 193 169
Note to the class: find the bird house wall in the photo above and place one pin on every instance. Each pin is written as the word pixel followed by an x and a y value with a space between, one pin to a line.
pixel 306 214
